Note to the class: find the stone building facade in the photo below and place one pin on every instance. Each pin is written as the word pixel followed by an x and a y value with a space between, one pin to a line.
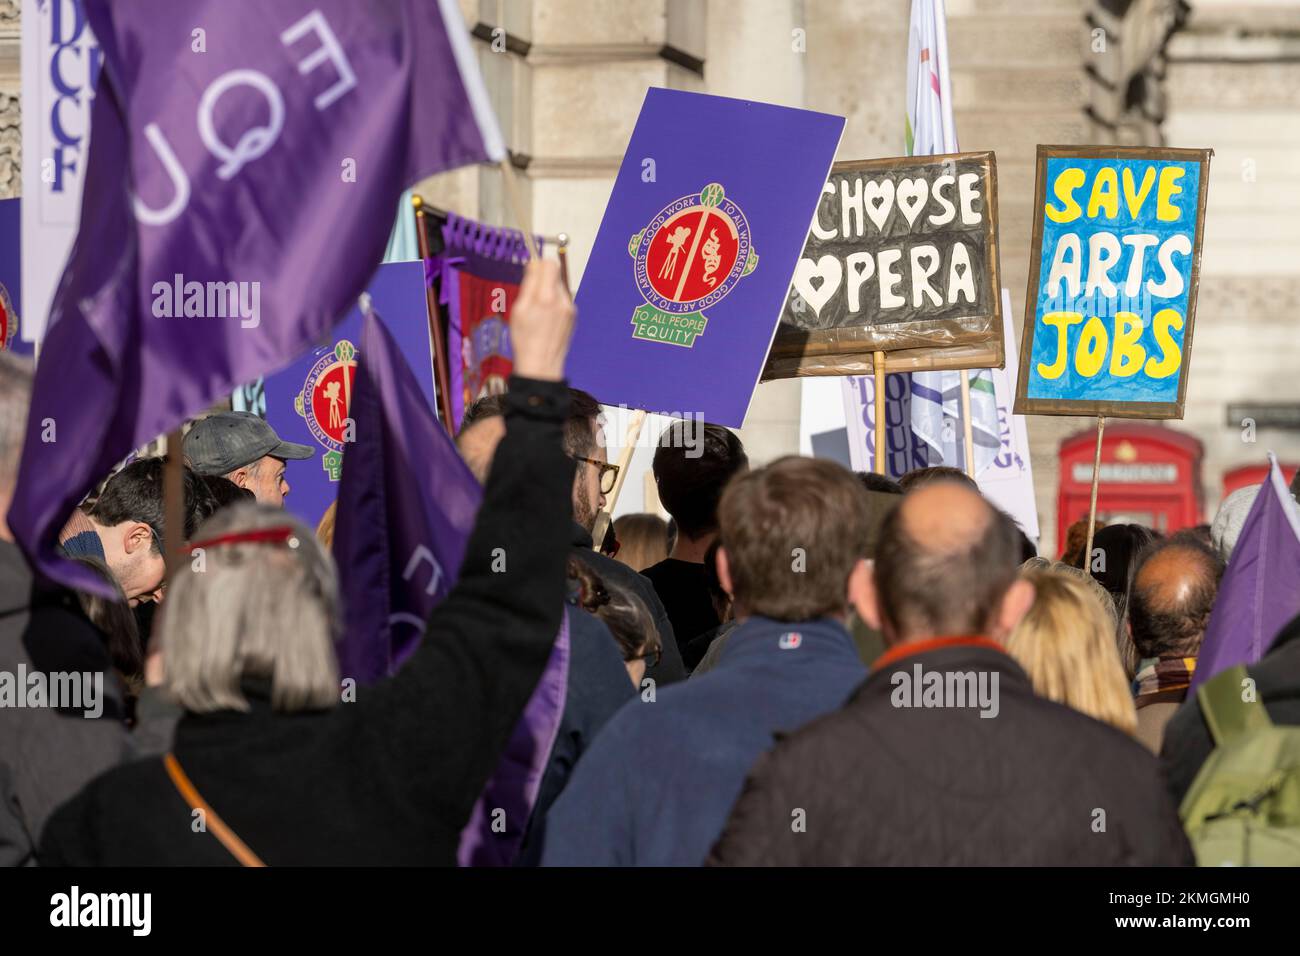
pixel 1218 73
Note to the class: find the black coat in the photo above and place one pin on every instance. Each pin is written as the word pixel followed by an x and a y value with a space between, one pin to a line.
pixel 879 784
pixel 1277 684
pixel 597 687
pixel 47 755
pixel 391 778
pixel 670 668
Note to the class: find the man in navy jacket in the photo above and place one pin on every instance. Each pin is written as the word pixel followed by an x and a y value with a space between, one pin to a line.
pixel 658 783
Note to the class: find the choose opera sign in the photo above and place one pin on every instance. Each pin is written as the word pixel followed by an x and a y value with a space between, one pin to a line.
pixel 902 255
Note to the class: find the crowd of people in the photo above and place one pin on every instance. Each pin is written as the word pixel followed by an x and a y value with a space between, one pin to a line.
pixel 805 666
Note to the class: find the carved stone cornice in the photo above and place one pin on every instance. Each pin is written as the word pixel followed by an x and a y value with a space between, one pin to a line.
pixel 1127 73
pixel 11 145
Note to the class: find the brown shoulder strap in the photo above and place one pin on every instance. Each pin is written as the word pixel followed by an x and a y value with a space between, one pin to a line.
pixel 216 826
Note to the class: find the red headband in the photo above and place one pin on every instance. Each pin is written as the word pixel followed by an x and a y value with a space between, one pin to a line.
pixel 281 535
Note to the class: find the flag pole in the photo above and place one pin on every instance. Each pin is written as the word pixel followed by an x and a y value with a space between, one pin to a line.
pixel 606 516
pixel 967 437
pixel 1092 508
pixel 879 382
pixel 174 504
pixel 517 206
pixel 440 373
pixel 634 426
pixel 562 252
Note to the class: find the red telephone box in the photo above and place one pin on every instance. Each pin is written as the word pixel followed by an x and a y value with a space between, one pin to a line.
pixel 1150 475
pixel 1251 475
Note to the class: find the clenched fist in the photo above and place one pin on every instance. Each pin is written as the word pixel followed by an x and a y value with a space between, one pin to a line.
pixel 541 323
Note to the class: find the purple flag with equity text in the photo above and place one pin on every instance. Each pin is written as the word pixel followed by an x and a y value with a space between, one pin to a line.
pixel 405 511
pixel 245 159
pixel 1260 591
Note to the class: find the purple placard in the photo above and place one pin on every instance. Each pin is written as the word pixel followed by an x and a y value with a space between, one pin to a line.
pixel 397 290
pixel 11 274
pixel 692 264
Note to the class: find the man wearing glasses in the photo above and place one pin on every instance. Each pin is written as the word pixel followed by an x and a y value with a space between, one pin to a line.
pixel 584 441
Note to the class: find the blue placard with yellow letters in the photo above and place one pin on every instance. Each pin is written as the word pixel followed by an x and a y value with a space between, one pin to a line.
pixel 1112 286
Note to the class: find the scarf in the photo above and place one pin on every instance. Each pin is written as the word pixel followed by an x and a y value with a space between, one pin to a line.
pixel 1157 675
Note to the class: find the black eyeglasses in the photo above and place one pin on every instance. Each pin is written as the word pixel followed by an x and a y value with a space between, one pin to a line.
pixel 608 473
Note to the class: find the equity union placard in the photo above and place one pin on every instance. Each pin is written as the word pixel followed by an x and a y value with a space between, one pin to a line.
pixel 678 283
pixel 692 263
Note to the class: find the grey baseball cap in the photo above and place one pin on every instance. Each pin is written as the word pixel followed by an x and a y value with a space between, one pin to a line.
pixel 225 441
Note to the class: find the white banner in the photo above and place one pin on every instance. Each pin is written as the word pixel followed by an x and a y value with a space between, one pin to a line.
pixel 1008 481
pixel 60 64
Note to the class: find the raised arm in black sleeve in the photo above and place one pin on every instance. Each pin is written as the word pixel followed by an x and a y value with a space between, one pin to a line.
pixel 444 720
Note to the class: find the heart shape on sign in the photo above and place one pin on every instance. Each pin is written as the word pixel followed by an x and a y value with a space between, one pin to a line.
pixel 879 197
pixel 829 270
pixel 912 194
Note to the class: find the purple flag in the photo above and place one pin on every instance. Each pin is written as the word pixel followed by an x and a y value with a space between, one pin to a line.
pixel 246 156
pixel 518 777
pixel 1260 591
pixel 406 507
pixel 405 511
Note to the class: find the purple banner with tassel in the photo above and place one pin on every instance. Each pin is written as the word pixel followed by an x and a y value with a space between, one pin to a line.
pixel 480 269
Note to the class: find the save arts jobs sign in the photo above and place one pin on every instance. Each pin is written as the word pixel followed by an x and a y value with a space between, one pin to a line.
pixel 1114 268
pixel 902 255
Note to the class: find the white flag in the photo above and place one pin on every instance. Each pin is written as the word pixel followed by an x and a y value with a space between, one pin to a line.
pixel 936 396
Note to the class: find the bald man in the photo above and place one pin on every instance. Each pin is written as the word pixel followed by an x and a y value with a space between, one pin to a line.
pixel 1174 587
pixel 944 755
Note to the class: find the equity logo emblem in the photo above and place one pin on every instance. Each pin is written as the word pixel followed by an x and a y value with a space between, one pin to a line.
pixel 689 258
pixel 324 402
pixel 8 319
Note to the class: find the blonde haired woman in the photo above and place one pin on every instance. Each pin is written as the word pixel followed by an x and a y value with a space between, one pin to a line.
pixel 1066 643
pixel 642 540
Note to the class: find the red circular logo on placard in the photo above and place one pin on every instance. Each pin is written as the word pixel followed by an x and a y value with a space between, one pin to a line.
pixel 329 399
pixel 8 320
pixel 691 253
pixel 326 394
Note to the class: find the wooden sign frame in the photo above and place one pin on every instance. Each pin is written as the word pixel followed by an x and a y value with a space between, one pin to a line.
pixel 850 350
pixel 1024 405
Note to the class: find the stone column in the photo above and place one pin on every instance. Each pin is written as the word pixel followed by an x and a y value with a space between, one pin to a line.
pixel 11 140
